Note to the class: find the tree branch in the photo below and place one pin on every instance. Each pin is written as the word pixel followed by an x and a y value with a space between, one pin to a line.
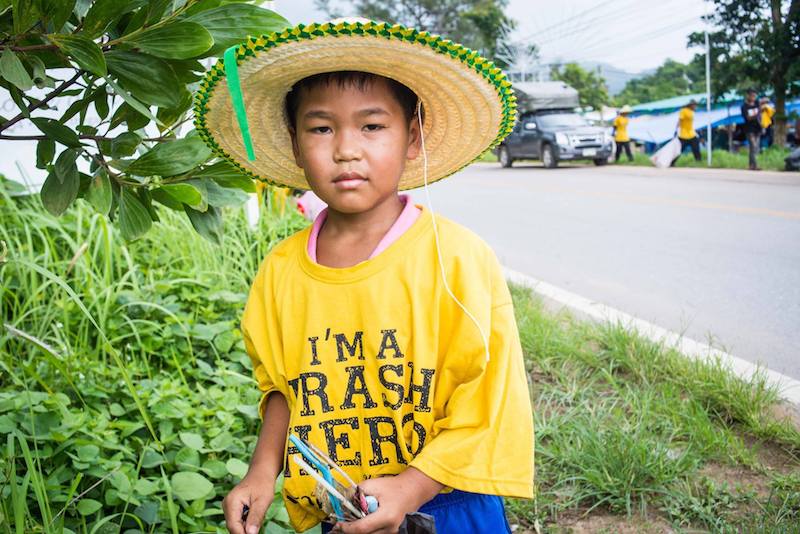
pixel 54 93
pixel 30 48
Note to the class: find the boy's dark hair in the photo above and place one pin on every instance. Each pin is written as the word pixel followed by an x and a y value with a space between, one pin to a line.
pixel 348 78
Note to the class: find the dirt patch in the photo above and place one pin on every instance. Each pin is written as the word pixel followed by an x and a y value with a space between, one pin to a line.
pixel 604 522
pixel 773 456
pixel 737 478
pixel 787 413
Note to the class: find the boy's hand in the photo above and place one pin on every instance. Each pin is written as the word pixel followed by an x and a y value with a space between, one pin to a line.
pixel 397 496
pixel 257 495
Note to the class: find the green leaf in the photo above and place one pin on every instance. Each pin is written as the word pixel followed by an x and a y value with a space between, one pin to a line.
pixel 57 196
pixel 214 469
pixel 191 440
pixel 222 197
pixel 88 453
pixel 171 157
pixel 57 131
pixel 57 12
pixel 190 486
pixel 99 193
pixel 177 40
pixel 131 101
pixel 134 219
pixel 88 506
pixel 45 152
pixel 162 197
pixel 232 23
pixel 226 175
pixel 125 144
pixel 188 194
pixel 130 116
pixel 147 512
pixel 100 99
pixel 104 13
pixel 236 467
pixel 144 486
pixel 207 223
pixel 187 457
pixel 12 69
pixel 65 165
pixel 150 79
pixel 84 51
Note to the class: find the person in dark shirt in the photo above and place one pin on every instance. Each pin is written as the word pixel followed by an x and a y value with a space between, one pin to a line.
pixel 751 113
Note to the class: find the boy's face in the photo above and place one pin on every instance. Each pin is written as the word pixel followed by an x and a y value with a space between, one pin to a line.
pixel 353 144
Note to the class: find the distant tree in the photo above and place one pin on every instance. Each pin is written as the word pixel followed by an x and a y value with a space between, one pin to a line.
pixel 478 24
pixel 135 64
pixel 591 86
pixel 757 42
pixel 670 79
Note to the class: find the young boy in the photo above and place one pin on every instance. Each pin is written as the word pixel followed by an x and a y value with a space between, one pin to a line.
pixel 383 335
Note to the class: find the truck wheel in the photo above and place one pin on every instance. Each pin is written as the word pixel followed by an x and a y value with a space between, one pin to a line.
pixel 504 157
pixel 600 162
pixel 549 158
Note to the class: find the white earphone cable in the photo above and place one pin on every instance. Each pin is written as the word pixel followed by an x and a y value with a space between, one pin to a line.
pixel 436 233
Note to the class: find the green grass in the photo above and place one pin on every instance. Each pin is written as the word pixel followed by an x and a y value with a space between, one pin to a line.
pixel 626 426
pixel 127 402
pixel 770 159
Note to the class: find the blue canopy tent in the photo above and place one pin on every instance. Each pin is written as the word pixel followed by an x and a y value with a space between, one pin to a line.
pixel 660 128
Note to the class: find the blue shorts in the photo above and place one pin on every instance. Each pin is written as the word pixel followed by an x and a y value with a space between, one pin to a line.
pixel 460 512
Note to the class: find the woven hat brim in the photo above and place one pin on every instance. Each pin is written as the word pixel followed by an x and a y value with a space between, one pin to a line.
pixel 469 105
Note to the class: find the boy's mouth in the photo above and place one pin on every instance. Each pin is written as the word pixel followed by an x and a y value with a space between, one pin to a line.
pixel 348 180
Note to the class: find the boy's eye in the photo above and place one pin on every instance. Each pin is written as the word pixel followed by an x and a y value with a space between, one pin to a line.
pixel 321 129
pixel 374 127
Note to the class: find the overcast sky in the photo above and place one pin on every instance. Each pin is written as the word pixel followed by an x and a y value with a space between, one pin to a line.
pixel 632 35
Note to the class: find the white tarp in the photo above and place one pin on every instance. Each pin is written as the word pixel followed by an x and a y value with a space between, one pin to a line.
pixel 545 95
pixel 667 153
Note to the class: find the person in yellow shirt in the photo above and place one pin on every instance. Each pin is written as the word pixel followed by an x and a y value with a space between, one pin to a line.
pixel 686 131
pixel 384 335
pixel 621 137
pixel 767 113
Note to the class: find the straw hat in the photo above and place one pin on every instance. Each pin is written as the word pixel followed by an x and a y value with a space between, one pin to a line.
pixel 468 102
pixel 626 109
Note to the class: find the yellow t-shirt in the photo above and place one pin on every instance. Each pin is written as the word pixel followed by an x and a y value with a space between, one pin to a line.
pixel 621 129
pixel 686 124
pixel 381 368
pixel 767 112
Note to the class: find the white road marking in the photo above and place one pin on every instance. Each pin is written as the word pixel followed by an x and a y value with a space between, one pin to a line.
pixel 788 387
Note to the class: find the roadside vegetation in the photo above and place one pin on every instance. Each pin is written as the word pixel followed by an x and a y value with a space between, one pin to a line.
pixel 634 437
pixel 771 159
pixel 127 403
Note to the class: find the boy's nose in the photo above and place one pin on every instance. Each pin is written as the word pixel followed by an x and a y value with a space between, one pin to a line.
pixel 347 147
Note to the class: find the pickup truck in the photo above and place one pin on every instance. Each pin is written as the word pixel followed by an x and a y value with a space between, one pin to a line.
pixel 555 135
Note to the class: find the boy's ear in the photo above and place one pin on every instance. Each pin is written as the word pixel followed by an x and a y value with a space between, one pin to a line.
pixel 295 148
pixel 414 139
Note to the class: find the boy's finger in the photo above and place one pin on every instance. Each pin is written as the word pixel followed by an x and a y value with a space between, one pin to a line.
pixel 255 517
pixel 233 515
pixel 372 523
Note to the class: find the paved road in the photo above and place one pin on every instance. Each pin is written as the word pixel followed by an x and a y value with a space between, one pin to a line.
pixel 711 253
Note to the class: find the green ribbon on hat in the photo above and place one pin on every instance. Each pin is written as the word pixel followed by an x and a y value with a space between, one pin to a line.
pixel 235 88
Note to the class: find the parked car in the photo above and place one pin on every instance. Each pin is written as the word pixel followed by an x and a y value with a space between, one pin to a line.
pixel 554 135
pixel 793 160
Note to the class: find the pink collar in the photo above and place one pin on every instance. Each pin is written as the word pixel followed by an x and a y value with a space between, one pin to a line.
pixel 407 217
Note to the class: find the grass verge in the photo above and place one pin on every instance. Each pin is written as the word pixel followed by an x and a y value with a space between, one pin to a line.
pixel 631 433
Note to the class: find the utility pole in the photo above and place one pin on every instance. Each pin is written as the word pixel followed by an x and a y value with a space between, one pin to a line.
pixel 708 99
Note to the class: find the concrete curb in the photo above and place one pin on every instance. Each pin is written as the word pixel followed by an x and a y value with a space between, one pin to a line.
pixel 557 299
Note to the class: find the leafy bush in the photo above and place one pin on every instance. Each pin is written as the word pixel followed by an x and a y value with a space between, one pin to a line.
pixel 134 64
pixel 126 398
